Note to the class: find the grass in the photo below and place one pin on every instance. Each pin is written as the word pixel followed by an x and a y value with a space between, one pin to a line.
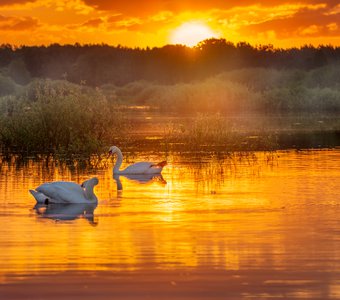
pixel 58 117
pixel 255 90
pixel 213 131
pixel 51 116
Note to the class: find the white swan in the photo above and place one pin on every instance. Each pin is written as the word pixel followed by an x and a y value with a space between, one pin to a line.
pixel 137 168
pixel 66 192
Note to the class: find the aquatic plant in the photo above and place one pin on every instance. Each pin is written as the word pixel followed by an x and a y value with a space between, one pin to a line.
pixel 56 116
pixel 209 129
pixel 59 117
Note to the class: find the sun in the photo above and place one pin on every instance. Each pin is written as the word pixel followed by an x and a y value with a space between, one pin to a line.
pixel 191 33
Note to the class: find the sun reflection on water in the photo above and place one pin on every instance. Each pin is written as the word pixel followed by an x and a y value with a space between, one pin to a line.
pixel 234 213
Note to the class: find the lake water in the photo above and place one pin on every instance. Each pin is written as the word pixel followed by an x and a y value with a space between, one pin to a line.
pixel 269 222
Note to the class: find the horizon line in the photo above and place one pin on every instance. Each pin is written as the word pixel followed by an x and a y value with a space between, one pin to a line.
pixel 255 46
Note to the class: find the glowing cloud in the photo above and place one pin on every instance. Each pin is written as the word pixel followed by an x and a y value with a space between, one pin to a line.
pixel 157 22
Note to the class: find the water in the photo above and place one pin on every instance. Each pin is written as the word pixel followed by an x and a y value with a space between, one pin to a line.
pixel 268 216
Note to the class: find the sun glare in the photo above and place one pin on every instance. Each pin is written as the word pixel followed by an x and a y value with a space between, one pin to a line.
pixel 191 33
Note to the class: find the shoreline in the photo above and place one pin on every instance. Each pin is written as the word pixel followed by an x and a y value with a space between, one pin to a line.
pixel 175 284
pixel 237 142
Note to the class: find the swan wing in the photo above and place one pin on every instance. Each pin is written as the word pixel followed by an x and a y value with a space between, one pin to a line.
pixel 62 192
pixel 144 168
pixel 138 168
pixel 71 186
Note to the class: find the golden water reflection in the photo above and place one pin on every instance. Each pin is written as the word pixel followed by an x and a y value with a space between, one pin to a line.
pixel 245 212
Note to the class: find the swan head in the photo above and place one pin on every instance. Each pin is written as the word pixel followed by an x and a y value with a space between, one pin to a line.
pixel 113 150
pixel 90 182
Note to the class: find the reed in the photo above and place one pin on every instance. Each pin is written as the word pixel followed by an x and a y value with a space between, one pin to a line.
pixel 56 116
pixel 59 117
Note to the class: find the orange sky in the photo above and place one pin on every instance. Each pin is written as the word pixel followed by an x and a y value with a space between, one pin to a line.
pixel 152 23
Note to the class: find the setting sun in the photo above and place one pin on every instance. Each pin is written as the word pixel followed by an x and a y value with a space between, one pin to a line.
pixel 191 33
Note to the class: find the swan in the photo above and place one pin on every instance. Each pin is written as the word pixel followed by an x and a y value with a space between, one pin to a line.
pixel 66 192
pixel 137 168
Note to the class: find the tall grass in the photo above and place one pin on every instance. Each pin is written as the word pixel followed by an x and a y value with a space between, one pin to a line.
pixel 60 117
pixel 216 132
pixel 7 85
pixel 212 129
pixel 257 90
pixel 55 116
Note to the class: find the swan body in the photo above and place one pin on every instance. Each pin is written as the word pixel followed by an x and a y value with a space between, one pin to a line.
pixel 66 192
pixel 137 168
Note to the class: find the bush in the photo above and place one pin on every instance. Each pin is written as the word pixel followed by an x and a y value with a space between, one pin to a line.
pixel 212 95
pixel 7 86
pixel 59 117
pixel 241 91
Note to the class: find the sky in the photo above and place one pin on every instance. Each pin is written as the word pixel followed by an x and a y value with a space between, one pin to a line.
pixel 137 23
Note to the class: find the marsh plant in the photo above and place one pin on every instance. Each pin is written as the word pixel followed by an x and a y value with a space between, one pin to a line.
pixel 215 131
pixel 212 129
pixel 58 117
pixel 202 129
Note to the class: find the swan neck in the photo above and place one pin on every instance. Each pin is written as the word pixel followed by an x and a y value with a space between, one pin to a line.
pixel 89 193
pixel 118 182
pixel 118 162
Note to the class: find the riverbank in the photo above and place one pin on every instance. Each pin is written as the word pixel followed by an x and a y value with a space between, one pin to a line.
pixel 209 283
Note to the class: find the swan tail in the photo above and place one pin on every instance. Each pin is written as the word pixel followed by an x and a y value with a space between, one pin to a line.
pixel 161 164
pixel 39 197
pixel 33 193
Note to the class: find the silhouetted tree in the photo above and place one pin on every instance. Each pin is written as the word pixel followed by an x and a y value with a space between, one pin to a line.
pixel 96 65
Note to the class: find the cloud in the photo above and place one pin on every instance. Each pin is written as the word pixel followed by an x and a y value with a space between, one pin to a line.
pixel 13 2
pixel 137 8
pixel 304 23
pixel 131 7
pixel 93 22
pixel 151 22
pixel 18 23
pixel 133 24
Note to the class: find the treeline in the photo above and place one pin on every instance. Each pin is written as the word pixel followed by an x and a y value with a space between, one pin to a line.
pixel 97 65
pixel 73 98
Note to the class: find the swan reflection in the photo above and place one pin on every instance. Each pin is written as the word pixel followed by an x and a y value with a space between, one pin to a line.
pixel 138 178
pixel 67 212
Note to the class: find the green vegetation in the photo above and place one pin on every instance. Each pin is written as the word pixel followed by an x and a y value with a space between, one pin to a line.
pixel 56 116
pixel 215 132
pixel 257 90
pixel 7 85
pixel 78 99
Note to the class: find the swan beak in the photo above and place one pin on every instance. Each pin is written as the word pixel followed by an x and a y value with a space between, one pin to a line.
pixel 109 154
